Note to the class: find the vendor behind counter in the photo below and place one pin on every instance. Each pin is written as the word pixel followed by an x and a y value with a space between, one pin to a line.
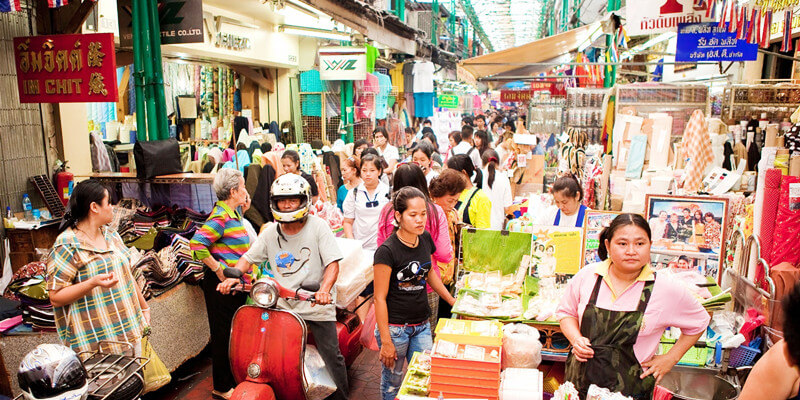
pixel 568 210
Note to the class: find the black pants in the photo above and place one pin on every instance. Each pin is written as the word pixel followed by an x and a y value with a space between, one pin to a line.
pixel 220 310
pixel 328 347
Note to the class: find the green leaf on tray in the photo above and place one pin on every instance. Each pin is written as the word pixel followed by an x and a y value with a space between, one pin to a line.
pixel 487 250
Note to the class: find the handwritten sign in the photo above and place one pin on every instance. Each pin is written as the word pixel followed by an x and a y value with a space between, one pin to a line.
pixel 66 68
pixel 706 41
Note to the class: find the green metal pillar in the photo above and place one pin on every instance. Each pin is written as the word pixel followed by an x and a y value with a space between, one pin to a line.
pixel 465 34
pixel 138 70
pixel 347 109
pixel 610 72
pixel 474 43
pixel 435 17
pixel 400 9
pixel 452 23
pixel 157 77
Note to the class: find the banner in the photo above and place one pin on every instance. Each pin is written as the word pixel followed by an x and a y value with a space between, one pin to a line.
pixel 343 63
pixel 513 96
pixel 554 88
pixel 66 68
pixel 181 21
pixel 447 101
pixel 707 41
pixel 646 17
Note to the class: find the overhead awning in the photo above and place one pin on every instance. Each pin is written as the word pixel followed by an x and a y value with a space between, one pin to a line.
pixel 537 51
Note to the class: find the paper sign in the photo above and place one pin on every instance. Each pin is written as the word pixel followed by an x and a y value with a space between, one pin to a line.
pixel 554 250
pixel 646 17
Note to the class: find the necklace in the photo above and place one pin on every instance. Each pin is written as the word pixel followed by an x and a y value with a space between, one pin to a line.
pixel 407 243
pixel 89 238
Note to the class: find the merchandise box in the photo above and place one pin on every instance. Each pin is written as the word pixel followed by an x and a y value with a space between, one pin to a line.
pixel 473 373
pixel 467 380
pixel 456 391
pixel 482 333
pixel 466 356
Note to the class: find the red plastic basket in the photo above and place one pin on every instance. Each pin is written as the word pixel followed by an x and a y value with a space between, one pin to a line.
pixel 742 356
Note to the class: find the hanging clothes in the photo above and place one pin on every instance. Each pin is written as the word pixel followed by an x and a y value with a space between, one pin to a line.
pixel 382 99
pixel 408 77
pixel 366 92
pixel 423 77
pixel 261 197
pixel 696 146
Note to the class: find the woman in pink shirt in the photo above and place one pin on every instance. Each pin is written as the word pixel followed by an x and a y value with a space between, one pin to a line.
pixel 615 311
pixel 436 225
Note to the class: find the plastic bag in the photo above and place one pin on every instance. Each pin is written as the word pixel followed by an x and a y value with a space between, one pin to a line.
pixel 316 378
pixel 156 374
pixel 521 346
pixel 355 271
pixel 368 339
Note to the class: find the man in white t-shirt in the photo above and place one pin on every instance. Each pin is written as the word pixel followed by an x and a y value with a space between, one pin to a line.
pixel 466 146
pixel 380 139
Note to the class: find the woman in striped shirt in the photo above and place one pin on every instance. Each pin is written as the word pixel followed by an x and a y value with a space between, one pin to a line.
pixel 219 244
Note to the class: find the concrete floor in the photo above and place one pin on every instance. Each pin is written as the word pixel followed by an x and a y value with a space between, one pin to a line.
pixel 193 379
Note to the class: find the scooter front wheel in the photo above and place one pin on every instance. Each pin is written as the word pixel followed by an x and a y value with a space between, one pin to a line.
pixel 251 390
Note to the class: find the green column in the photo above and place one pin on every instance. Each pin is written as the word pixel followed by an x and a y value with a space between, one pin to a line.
pixel 347 109
pixel 400 9
pixel 157 77
pixel 435 16
pixel 610 74
pixel 452 23
pixel 138 70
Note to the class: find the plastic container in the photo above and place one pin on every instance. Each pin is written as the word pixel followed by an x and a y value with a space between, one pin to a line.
pixel 697 355
pixel 485 333
pixel 743 356
pixel 27 207
pixel 698 384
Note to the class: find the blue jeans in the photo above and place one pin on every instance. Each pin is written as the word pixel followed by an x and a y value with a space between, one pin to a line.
pixel 407 340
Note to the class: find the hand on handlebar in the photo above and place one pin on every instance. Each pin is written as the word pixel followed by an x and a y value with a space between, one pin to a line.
pixel 225 286
pixel 321 298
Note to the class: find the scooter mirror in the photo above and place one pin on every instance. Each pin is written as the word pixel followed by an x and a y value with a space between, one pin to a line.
pixel 234 273
pixel 310 285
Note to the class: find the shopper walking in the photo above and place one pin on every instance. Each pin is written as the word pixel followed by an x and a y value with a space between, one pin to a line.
pixel 351 180
pixel 498 187
pixel 410 175
pixel 390 154
pixel 290 160
pixel 422 155
pixel 89 279
pixel 474 206
pixel 402 269
pixel 219 244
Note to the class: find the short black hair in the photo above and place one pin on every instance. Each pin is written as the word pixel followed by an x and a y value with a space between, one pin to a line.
pixel 481 117
pixel 466 132
pixel 427 121
pixel 466 120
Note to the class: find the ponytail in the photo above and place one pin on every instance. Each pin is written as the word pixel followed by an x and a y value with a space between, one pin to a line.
pixel 490 159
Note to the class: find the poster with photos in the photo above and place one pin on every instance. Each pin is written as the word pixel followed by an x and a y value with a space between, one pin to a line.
pixel 593 223
pixel 553 250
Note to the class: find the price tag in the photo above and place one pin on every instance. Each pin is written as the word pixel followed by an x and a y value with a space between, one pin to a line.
pixel 794 196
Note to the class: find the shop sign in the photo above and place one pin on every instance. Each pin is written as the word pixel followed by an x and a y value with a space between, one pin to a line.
pixel 343 63
pixel 515 96
pixel 447 101
pixel 66 68
pixel 707 41
pixel 646 17
pixel 181 21
pixel 232 42
pixel 554 88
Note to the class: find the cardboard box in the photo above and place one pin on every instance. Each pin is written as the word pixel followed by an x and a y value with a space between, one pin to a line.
pixel 471 332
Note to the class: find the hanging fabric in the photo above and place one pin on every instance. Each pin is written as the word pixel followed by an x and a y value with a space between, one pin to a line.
pixel 10 5
pixel 765 28
pixel 741 29
pixel 712 5
pixel 732 24
pixel 752 30
pixel 56 3
pixel 723 14
pixel 786 45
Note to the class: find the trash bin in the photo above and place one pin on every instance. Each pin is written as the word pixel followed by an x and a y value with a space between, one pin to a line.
pixel 690 384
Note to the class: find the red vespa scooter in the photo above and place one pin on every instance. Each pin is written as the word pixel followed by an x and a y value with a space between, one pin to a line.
pixel 267 345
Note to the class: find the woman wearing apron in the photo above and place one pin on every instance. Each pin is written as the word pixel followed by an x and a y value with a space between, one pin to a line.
pixel 615 311
pixel 568 210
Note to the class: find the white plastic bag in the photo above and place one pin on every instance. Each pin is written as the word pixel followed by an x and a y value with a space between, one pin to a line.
pixel 316 378
pixel 5 276
pixel 355 271
pixel 521 346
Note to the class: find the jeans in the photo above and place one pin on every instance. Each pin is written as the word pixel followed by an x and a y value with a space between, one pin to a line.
pixel 407 340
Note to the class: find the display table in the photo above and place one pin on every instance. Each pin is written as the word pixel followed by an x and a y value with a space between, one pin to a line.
pixel 130 177
pixel 180 332
pixel 188 190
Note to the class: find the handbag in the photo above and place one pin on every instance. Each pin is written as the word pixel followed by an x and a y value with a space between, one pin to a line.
pixel 156 374
pixel 157 157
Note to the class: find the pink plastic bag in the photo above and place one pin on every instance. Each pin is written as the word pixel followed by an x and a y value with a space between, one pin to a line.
pixel 368 339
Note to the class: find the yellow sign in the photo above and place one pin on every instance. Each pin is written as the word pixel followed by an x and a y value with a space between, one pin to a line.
pixel 555 250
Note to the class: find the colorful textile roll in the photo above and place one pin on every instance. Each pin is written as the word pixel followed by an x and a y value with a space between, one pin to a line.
pixel 787 227
pixel 772 191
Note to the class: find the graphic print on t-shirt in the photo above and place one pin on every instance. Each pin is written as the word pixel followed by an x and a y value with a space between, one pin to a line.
pixel 412 276
pixel 287 264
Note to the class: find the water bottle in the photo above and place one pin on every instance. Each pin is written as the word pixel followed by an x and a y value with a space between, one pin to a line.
pixel 27 207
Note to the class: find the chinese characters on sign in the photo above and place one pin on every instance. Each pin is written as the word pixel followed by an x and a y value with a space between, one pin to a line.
pixel 709 42
pixel 66 68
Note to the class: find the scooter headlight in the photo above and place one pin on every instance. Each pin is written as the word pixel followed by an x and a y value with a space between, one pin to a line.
pixel 264 293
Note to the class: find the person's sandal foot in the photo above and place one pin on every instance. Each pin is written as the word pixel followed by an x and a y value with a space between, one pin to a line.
pixel 222 395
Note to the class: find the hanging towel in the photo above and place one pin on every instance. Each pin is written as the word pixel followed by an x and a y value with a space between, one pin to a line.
pixel 696 147
pixel 227 155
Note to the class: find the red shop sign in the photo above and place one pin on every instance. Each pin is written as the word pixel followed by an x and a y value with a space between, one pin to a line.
pixel 512 96
pixel 555 88
pixel 66 68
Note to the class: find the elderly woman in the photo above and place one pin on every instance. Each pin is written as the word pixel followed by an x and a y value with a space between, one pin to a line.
pixel 219 244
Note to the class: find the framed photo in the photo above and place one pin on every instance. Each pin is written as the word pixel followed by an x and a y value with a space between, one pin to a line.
pixel 694 226
pixel 593 223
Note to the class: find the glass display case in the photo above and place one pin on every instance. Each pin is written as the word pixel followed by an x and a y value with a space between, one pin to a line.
pixel 742 102
pixel 585 111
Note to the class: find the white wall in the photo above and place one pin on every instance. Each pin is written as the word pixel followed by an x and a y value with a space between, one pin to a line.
pixel 75 137
pixel 276 106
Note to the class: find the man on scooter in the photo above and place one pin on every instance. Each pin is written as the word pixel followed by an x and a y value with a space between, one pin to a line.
pixel 300 248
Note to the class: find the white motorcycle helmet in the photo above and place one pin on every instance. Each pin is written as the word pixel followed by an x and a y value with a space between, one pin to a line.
pixel 52 372
pixel 290 186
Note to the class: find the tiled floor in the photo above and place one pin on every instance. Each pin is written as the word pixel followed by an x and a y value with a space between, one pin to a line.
pixel 193 380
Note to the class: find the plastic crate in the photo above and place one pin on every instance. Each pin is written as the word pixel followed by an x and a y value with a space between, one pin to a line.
pixel 742 356
pixel 697 355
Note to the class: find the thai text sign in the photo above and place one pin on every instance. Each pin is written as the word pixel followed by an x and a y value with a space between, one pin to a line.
pixel 343 63
pixel 706 41
pixel 513 96
pixel 66 68
pixel 447 101
pixel 555 88
pixel 646 17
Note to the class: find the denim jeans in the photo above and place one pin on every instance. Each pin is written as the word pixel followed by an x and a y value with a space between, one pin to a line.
pixel 407 340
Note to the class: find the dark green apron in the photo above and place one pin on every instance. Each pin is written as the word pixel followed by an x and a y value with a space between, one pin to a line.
pixel 612 335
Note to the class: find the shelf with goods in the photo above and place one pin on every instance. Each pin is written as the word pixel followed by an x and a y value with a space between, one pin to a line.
pixel 585 111
pixel 741 102
pixel 546 115
pixel 679 101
